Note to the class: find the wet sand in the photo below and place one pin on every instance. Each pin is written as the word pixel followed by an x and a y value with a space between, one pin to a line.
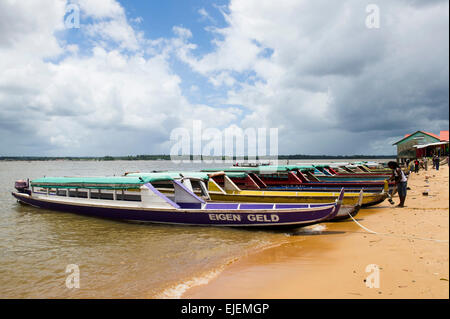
pixel 332 263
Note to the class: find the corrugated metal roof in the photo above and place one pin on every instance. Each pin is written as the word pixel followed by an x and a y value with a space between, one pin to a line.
pixel 431 144
pixel 110 182
pixel 428 133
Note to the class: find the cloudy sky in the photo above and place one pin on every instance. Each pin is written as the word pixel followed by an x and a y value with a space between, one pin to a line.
pixel 133 71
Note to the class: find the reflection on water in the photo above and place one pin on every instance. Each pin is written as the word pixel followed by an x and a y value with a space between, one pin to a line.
pixel 116 259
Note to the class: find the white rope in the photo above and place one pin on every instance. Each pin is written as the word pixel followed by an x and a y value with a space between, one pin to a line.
pixel 403 236
pixel 366 229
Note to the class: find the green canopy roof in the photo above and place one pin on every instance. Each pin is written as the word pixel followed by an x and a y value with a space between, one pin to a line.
pixel 109 182
pixel 175 175
pixel 300 167
pixel 247 169
pixel 267 169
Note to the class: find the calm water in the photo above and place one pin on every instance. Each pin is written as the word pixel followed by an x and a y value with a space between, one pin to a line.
pixel 116 259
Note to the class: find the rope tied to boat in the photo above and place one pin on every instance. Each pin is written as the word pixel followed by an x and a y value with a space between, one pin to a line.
pixel 394 235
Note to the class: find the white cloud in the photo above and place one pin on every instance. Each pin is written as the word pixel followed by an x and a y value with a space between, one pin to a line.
pixel 222 78
pixel 310 68
pixel 102 101
pixel 314 66
pixel 28 27
pixel 116 30
pixel 206 16
pixel 110 23
pixel 100 9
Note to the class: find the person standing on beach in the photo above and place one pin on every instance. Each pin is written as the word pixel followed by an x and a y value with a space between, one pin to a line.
pixel 416 166
pixel 410 167
pixel 436 162
pixel 400 181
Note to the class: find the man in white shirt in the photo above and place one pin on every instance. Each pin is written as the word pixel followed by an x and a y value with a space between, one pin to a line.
pixel 400 181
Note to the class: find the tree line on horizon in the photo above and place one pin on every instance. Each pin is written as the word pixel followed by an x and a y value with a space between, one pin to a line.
pixel 191 157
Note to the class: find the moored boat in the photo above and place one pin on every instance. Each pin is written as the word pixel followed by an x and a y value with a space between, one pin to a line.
pixel 228 191
pixel 291 177
pixel 136 199
pixel 322 170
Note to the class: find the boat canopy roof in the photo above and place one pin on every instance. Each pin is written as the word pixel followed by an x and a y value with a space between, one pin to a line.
pixel 268 169
pixel 339 164
pixel 158 176
pixel 104 182
pixel 301 167
pixel 186 174
pixel 322 165
pixel 242 169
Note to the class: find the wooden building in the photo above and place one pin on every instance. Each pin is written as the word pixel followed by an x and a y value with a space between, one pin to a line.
pixel 422 144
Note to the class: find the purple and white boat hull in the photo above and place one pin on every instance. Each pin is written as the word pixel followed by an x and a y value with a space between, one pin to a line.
pixel 246 216
pixel 193 213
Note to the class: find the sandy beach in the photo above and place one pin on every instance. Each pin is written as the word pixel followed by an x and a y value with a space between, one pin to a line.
pixel 411 251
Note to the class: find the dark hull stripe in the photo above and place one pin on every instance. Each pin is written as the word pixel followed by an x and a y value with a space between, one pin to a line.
pixel 232 218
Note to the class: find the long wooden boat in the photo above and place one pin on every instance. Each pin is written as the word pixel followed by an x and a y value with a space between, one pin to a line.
pixel 117 198
pixel 362 167
pixel 290 177
pixel 265 195
pixel 230 192
pixel 324 173
pixel 290 182
pixel 343 170
pixel 354 169
pixel 328 171
pixel 365 166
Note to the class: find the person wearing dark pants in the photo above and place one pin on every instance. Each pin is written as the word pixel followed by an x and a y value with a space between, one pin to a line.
pixel 416 166
pixel 436 162
pixel 400 182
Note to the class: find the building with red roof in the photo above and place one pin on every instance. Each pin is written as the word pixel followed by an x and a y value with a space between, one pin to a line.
pixel 422 144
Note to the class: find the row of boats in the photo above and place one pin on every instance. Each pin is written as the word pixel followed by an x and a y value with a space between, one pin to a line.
pixel 256 196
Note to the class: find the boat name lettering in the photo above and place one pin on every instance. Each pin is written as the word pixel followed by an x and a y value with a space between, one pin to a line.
pixel 229 217
pixel 263 218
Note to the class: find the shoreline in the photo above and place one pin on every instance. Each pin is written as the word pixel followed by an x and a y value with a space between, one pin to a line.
pixel 411 252
pixel 168 158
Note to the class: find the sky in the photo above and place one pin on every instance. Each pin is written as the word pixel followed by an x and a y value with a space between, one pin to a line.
pixel 333 77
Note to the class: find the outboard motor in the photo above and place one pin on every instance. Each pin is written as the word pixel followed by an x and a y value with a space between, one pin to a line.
pixel 22 186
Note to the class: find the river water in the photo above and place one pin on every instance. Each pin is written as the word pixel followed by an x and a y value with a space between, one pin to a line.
pixel 115 259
